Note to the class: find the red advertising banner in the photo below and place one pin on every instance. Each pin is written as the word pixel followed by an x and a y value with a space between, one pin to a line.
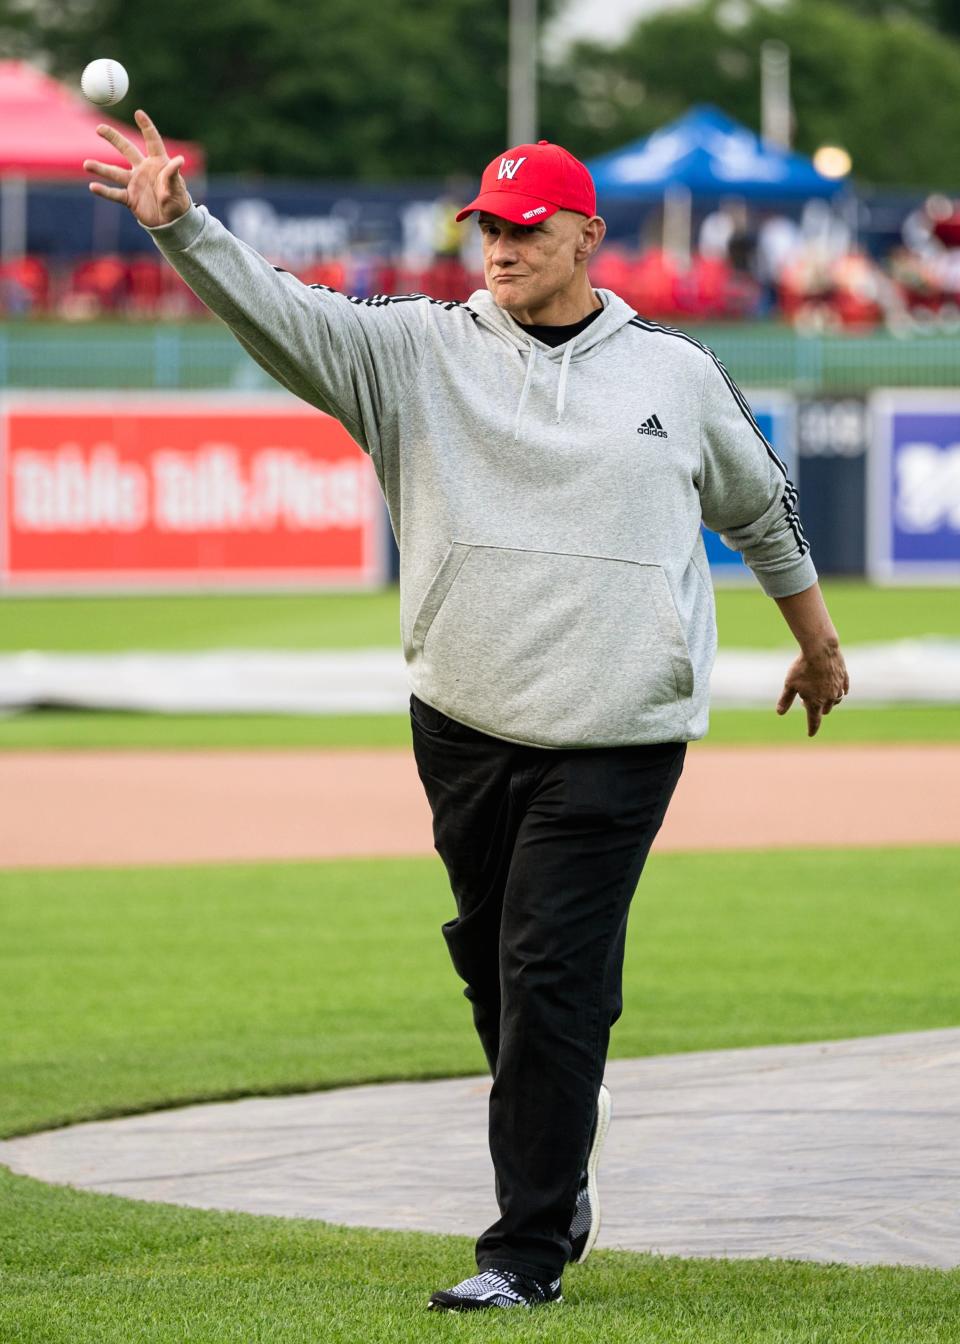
pixel 132 492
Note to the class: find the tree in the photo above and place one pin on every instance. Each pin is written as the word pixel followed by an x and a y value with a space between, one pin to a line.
pixel 886 89
pixel 332 88
pixel 941 14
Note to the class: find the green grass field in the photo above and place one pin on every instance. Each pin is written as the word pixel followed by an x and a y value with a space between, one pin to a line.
pixel 746 619
pixel 130 989
pixel 93 1270
pixel 50 729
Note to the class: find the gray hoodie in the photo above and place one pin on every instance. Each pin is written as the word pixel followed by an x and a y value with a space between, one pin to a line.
pixel 547 502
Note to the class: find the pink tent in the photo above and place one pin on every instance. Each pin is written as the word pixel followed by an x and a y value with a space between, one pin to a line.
pixel 46 131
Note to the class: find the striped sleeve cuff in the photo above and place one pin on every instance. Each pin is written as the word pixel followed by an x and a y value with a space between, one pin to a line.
pixel 788 579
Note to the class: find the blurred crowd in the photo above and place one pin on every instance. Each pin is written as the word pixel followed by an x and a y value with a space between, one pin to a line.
pixel 807 270
pixel 146 287
pixel 813 272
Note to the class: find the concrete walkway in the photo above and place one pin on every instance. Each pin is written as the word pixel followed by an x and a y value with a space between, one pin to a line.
pixel 838 1151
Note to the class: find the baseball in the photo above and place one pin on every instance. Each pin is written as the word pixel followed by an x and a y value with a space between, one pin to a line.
pixel 104 82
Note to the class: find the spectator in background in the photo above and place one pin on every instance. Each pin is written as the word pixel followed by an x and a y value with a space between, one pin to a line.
pixel 778 239
pixel 448 276
pixel 727 235
pixel 24 286
pixel 742 244
pixel 825 236
pixel 448 235
pixel 919 229
pixel 716 231
pixel 926 270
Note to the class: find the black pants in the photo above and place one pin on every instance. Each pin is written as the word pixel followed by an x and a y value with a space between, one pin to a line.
pixel 544 849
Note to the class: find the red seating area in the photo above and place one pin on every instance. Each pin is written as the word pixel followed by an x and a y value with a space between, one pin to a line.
pixel 146 287
pixel 657 285
pixel 24 286
pixel 853 291
pixel 94 287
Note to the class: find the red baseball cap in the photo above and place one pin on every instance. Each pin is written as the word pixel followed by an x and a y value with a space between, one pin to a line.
pixel 532 182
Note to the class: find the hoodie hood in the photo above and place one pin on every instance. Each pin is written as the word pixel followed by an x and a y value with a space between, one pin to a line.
pixel 615 315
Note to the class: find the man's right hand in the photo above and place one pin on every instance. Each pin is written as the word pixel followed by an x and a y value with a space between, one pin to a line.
pixel 151 188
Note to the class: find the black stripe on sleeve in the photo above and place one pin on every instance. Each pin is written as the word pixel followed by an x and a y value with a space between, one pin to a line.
pixel 737 395
pixel 790 496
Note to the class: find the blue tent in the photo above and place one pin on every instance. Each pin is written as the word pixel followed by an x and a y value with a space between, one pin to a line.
pixel 711 155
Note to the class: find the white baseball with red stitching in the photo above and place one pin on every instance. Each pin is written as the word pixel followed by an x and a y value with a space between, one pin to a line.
pixel 104 82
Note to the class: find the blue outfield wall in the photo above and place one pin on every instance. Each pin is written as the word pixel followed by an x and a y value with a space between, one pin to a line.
pixel 774 414
pixel 879 480
pixel 66 221
pixel 913 487
pixel 299 220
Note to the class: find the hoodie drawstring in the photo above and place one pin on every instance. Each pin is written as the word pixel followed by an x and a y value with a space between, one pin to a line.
pixel 532 349
pixel 561 384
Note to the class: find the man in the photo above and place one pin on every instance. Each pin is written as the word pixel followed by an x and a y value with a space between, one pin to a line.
pixel 547 458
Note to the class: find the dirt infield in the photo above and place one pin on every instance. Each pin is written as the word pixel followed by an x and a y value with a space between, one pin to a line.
pixel 156 807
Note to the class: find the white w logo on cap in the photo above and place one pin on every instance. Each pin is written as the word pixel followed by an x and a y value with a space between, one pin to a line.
pixel 508 168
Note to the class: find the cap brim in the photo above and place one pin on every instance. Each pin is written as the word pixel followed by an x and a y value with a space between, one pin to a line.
pixel 510 205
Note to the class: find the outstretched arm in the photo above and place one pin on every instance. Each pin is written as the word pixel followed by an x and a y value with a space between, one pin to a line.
pixel 152 187
pixel 351 358
pixel 819 674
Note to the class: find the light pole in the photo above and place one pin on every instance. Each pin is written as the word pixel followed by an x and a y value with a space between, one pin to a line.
pixel 775 93
pixel 522 76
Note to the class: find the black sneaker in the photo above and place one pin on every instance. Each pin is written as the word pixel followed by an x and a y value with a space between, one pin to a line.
pixel 495 1288
pixel 586 1216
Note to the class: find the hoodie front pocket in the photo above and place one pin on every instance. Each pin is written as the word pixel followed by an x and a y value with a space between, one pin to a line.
pixel 552 647
pixel 440 586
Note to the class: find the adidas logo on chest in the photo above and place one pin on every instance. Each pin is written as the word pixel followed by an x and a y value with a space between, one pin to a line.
pixel 653 426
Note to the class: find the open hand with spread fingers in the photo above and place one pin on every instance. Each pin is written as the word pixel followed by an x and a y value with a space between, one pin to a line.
pixel 152 187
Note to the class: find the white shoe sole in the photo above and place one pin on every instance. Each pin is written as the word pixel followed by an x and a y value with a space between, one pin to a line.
pixel 604 1112
pixel 527 1306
